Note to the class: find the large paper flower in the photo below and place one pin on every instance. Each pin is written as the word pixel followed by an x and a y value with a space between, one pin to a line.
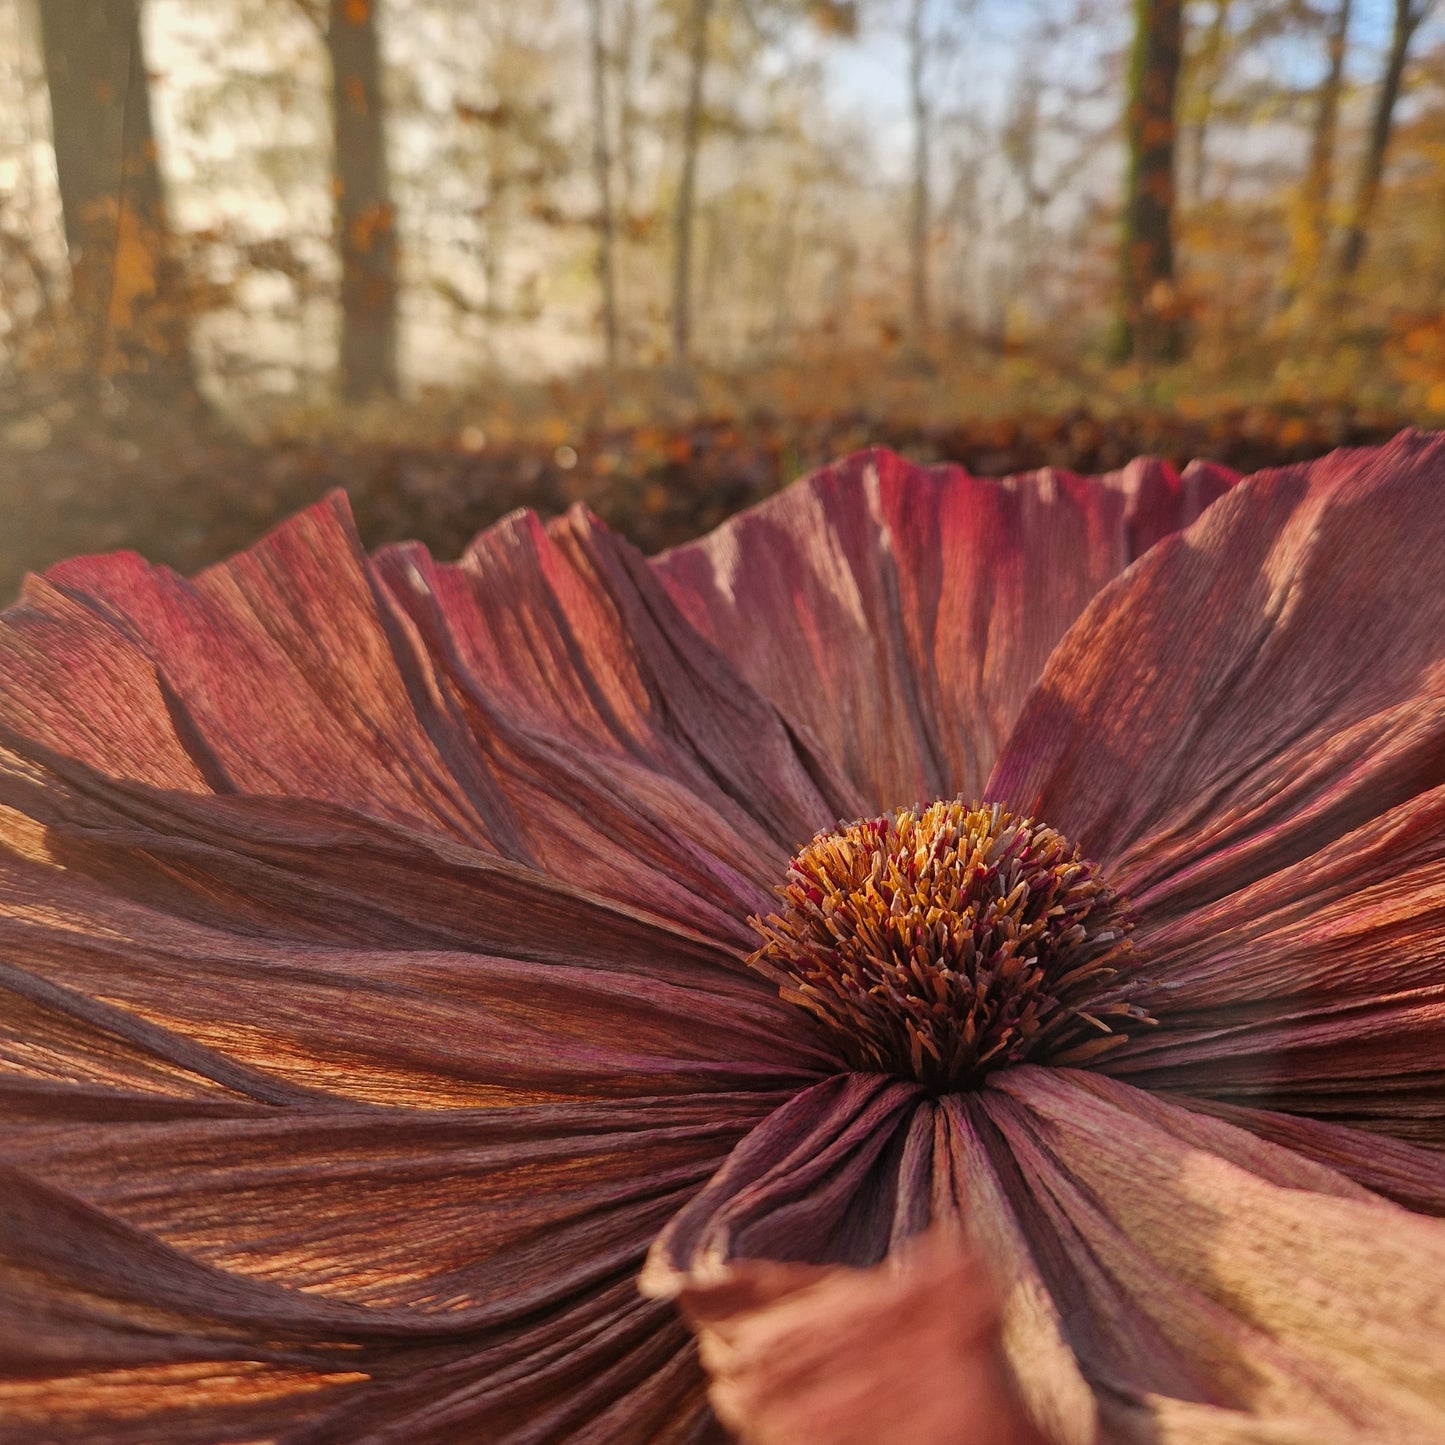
pixel 379 986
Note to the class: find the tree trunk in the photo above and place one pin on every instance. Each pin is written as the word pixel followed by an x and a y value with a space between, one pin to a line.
pixel 127 289
pixel 918 219
pixel 602 171
pixel 1408 15
pixel 1208 79
pixel 365 218
pixel 684 216
pixel 1148 325
pixel 629 114
pixel 1314 203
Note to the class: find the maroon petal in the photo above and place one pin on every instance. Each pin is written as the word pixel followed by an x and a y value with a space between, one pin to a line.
pixel 350 1274
pixel 1158 1269
pixel 1211 1281
pixel 281 671
pixel 1247 730
pixel 1319 989
pixel 263 961
pixel 898 615
pixel 1255 687
pixel 1406 1173
pixel 541 700
pixel 278 950
pixel 904 1353
pixel 631 755
pixel 849 1170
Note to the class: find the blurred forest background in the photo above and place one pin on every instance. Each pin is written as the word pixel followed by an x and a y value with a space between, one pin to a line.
pixel 660 256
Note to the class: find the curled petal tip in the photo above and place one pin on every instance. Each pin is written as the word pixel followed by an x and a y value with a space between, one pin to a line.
pixel 904 1353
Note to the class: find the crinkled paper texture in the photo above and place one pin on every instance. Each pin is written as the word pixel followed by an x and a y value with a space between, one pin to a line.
pixel 372 994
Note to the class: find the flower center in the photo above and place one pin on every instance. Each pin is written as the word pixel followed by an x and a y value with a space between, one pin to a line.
pixel 939 943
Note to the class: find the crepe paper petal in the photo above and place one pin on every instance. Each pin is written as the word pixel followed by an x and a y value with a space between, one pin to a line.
pixel 977 1185
pixel 1319 989
pixel 1254 688
pixel 493 1249
pixel 824 1180
pixel 456 1218
pixel 613 733
pixel 851 1169
pixel 1157 1420
pixel 1408 1174
pixel 1194 1262
pixel 1247 732
pixel 279 671
pixel 179 944
pixel 898 614
pixel 904 1353
pixel 188 1403
pixel 301 668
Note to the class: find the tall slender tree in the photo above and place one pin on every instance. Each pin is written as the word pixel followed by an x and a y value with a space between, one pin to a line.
pixel 1311 225
pixel 365 218
pixel 1408 15
pixel 685 210
pixel 602 173
pixel 1207 69
pixel 126 285
pixel 1147 325
pixel 920 196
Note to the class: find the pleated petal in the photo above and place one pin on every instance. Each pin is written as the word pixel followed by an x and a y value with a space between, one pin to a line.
pixel 850 1170
pixel 1319 989
pixel 351 1275
pixel 1208 1279
pixel 277 950
pixel 1407 1173
pixel 1156 1267
pixel 249 1190
pixel 1248 731
pixel 898 615
pixel 540 700
pixel 905 1353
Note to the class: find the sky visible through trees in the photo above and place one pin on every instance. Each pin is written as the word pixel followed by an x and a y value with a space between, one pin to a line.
pixel 361 197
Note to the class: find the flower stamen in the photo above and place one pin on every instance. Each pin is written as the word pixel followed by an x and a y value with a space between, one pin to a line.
pixel 942 942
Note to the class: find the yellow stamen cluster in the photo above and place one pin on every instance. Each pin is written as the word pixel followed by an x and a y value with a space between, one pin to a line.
pixel 940 943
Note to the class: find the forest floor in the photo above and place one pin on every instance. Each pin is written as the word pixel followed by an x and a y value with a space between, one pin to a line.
pixel 186 494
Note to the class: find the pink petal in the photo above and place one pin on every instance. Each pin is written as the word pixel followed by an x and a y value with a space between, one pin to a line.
pixel 1254 687
pixel 898 615
pixel 1197 1266
pixel 1319 989
pixel 630 754
pixel 277 950
pixel 541 700
pixel 1247 729
pixel 280 671
pixel 459 1269
pixel 904 1353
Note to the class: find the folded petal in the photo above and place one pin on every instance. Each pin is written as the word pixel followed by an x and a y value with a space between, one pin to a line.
pixel 1248 730
pixel 898 615
pixel 1319 989
pixel 848 1171
pixel 540 700
pixel 1407 1173
pixel 280 671
pixel 247 948
pixel 1199 1269
pixel 904 1353
pixel 363 1274
pixel 830 1178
